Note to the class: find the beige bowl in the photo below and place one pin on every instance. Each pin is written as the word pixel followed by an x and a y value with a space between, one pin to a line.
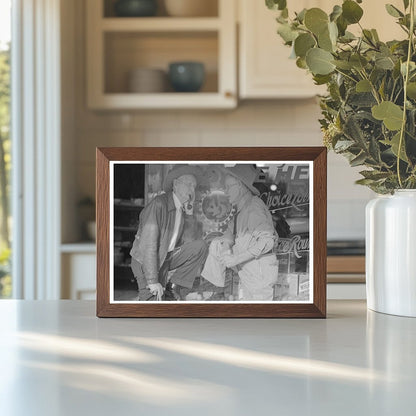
pixel 147 80
pixel 191 8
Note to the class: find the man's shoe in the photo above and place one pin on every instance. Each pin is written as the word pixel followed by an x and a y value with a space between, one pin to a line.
pixel 169 294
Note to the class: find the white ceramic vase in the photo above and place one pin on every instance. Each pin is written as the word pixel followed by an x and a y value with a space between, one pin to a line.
pixel 391 253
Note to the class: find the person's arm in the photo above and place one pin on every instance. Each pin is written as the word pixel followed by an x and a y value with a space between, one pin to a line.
pixel 261 242
pixel 149 241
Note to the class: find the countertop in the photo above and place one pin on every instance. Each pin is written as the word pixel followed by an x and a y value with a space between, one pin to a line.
pixel 57 358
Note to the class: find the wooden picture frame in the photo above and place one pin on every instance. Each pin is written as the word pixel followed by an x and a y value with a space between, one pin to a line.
pixel 311 294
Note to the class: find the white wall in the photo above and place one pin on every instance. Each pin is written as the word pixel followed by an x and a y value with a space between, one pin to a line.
pixel 253 123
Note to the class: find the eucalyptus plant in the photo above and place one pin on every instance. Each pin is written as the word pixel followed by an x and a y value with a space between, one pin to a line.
pixel 369 111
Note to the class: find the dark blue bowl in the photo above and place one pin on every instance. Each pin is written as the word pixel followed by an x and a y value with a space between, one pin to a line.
pixel 135 8
pixel 186 76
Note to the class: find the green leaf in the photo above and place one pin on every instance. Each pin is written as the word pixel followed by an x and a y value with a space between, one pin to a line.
pixel 344 65
pixel 301 63
pixel 321 79
pixel 374 174
pixel 325 42
pixel 368 36
pixel 358 160
pixel 347 37
pixel 276 4
pixel 412 67
pixel 358 61
pixel 301 15
pixel 374 150
pixel 303 43
pixel 391 114
pixel 406 4
pixel 351 11
pixel 393 11
pixel 342 25
pixel 333 32
pixel 394 143
pixel 336 12
pixel 411 90
pixel 316 20
pixel 343 145
pixel 375 35
pixel 319 61
pixel 363 86
pixel 365 182
pixel 384 62
pixel 353 131
pixel 287 33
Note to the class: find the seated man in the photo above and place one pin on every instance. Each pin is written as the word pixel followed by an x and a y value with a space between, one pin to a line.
pixel 155 248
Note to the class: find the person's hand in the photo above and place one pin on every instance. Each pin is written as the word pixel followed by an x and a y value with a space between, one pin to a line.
pixel 157 290
pixel 229 260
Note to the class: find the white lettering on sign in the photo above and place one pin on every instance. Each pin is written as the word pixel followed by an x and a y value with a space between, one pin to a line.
pixel 277 202
pixel 292 172
pixel 292 245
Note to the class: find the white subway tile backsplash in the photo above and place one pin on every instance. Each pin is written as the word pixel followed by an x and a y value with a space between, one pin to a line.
pixel 346 219
pixel 156 119
pixel 197 120
pixel 259 123
pixel 171 138
pixel 230 138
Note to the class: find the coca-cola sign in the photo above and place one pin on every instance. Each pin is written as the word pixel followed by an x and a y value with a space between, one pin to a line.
pixel 294 245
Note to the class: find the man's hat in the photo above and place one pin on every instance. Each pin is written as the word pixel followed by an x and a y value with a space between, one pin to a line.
pixel 180 170
pixel 246 174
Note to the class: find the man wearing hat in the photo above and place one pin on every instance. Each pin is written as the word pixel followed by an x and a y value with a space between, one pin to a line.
pixel 156 248
pixel 250 237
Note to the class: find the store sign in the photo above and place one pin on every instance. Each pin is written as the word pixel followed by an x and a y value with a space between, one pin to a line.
pixel 276 202
pixel 294 245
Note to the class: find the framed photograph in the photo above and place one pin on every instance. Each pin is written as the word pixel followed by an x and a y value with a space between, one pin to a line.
pixel 211 232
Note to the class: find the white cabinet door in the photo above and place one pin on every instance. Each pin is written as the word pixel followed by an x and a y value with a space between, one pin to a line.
pixel 265 69
pixel 78 276
pixel 264 66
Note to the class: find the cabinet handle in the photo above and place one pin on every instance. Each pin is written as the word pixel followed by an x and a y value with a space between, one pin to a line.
pixel 229 94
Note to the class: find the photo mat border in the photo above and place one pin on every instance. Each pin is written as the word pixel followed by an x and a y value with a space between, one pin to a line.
pixel 204 162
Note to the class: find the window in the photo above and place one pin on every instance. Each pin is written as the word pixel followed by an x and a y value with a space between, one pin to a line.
pixel 5 147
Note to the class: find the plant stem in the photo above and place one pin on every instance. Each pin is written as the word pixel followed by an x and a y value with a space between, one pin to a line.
pixel 405 81
pixel 346 75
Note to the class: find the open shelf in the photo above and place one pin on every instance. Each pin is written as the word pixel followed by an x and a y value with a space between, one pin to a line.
pixel 126 51
pixel 116 46
pixel 160 24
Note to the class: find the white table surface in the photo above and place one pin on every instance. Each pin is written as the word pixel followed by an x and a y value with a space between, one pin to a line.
pixel 57 358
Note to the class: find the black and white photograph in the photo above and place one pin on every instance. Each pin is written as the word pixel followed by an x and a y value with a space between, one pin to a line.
pixel 211 232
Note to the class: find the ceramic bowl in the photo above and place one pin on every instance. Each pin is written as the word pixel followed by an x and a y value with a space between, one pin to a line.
pixel 135 8
pixel 147 80
pixel 186 76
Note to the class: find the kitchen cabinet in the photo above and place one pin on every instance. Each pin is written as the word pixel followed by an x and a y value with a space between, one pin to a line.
pixel 118 45
pixel 265 70
pixel 78 264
